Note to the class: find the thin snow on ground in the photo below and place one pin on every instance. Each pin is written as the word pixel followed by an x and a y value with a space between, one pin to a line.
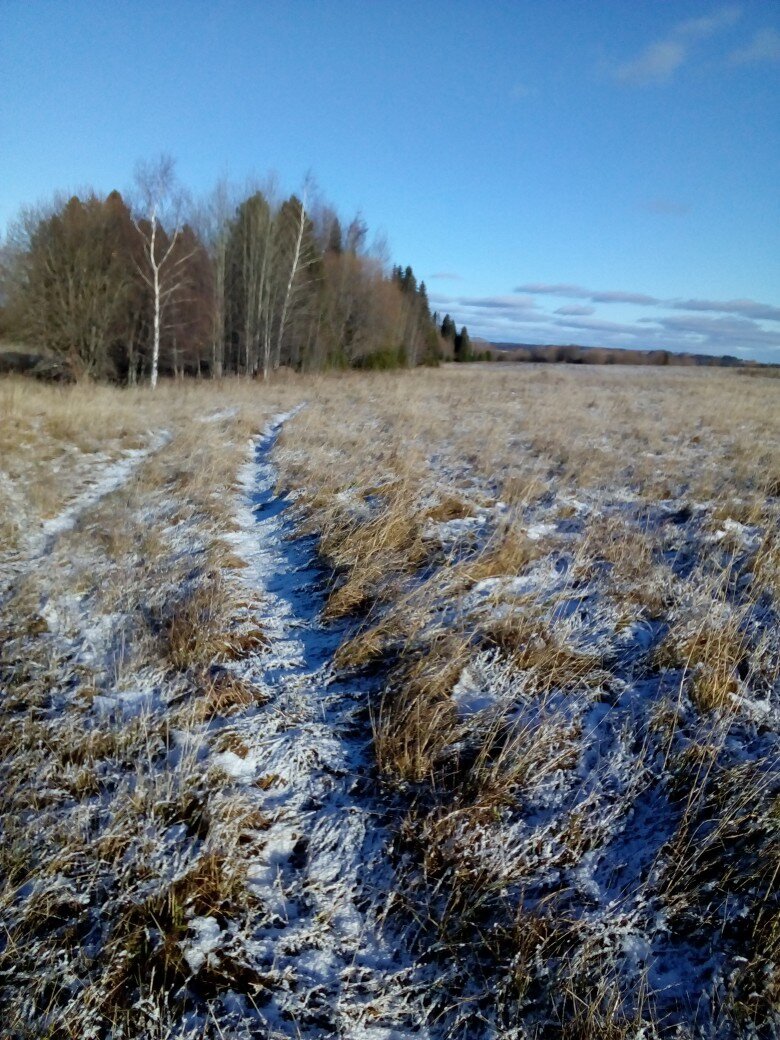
pixel 105 480
pixel 451 532
pixel 218 416
pixel 100 479
pixel 323 870
pixel 333 954
pixel 610 762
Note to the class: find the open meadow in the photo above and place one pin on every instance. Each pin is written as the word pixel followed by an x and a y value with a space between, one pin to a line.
pixel 436 703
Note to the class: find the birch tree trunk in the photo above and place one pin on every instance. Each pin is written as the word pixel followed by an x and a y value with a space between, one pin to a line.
pixel 288 292
pixel 156 183
pixel 156 295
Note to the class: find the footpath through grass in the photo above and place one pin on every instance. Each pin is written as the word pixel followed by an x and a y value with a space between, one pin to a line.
pixel 553 595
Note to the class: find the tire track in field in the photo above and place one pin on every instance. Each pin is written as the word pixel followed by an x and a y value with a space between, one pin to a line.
pixel 323 870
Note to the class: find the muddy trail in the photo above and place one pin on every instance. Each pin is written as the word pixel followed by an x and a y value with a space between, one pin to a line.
pixel 334 965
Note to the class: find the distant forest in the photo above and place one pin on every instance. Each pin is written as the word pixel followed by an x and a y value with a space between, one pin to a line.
pixel 576 355
pixel 236 283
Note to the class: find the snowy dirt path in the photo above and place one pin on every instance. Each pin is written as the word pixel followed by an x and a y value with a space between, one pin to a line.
pixel 107 478
pixel 104 479
pixel 322 870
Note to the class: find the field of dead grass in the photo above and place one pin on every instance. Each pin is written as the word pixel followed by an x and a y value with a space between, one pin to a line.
pixel 572 577
pixel 122 610
pixel 570 581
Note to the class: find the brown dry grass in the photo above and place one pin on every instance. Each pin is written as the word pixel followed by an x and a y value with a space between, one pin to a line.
pixel 382 463
pixel 638 471
pixel 141 593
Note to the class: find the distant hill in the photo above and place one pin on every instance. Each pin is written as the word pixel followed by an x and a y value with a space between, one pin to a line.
pixel 574 354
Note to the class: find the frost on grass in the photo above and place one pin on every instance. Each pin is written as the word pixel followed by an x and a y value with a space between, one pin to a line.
pixel 108 476
pixel 191 852
pixel 321 866
pixel 501 761
pixel 119 636
pixel 580 618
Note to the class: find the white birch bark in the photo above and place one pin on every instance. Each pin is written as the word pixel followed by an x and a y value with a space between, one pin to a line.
pixel 288 292
pixel 156 183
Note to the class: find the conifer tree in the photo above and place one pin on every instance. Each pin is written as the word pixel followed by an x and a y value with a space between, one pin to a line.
pixel 463 350
pixel 448 329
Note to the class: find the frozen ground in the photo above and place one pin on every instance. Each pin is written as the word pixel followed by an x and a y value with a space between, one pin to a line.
pixel 583 708
pixel 333 964
pixel 308 952
pixel 375 726
pixel 89 484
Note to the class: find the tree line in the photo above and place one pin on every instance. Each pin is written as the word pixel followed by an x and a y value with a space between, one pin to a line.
pixel 127 289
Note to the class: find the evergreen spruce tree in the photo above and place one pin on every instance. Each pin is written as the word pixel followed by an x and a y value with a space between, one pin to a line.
pixel 463 350
pixel 448 329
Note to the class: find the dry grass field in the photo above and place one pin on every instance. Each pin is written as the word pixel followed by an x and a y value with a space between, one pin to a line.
pixel 451 709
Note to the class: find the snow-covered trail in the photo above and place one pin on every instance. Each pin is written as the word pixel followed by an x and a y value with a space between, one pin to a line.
pixel 322 872
pixel 104 479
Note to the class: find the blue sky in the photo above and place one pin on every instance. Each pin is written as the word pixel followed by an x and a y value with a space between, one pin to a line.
pixel 560 171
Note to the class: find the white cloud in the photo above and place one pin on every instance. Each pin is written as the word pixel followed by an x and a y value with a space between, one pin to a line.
pixel 555 289
pixel 764 47
pixel 614 328
pixel 720 334
pixel 494 317
pixel 512 302
pixel 711 326
pixel 744 308
pixel 576 311
pixel 617 296
pixel 660 60
pixel 497 303
pixel 579 292
pixel 751 309
pixel 695 28
pixel 656 64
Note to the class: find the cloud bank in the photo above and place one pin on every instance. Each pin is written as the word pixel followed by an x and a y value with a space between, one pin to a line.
pixel 745 328
pixel 742 308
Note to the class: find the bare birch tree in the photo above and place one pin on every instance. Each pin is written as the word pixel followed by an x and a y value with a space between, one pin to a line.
pixel 297 262
pixel 159 199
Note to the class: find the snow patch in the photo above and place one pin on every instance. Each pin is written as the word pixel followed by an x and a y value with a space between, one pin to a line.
pixel 201 950
pixel 111 477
